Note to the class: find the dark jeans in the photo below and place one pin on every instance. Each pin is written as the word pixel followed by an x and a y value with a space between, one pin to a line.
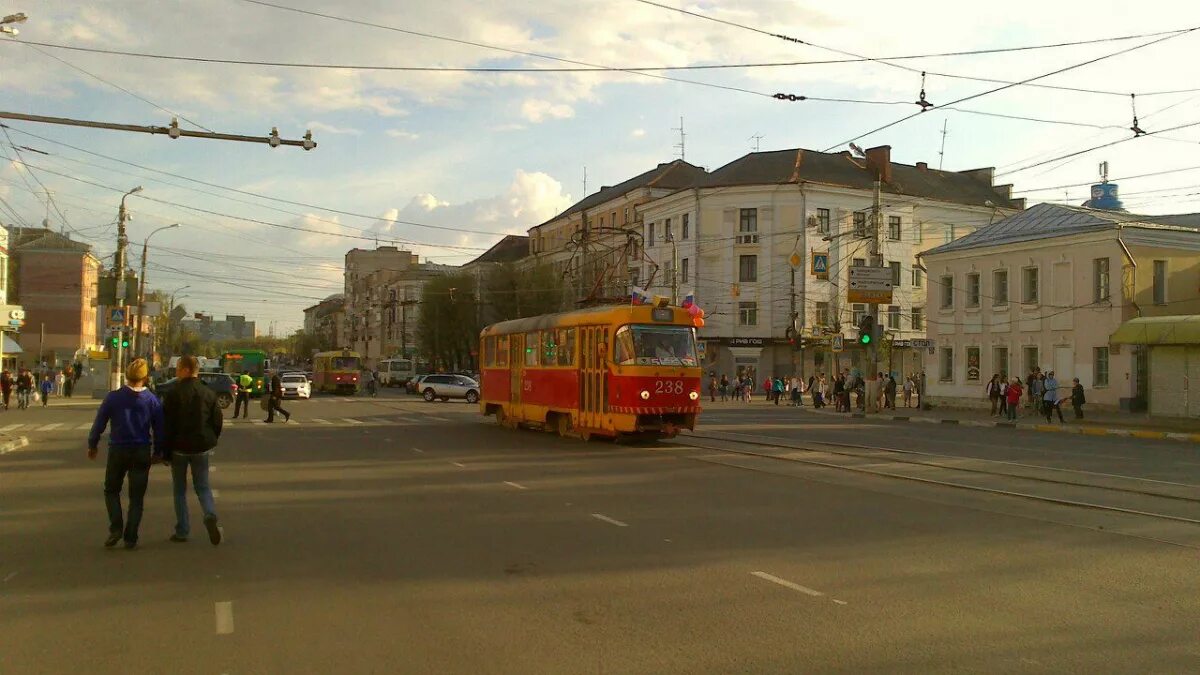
pixel 1050 407
pixel 134 461
pixel 272 406
pixel 1078 410
pixel 180 464
pixel 242 404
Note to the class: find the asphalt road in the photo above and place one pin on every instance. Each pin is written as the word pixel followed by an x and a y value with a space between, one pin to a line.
pixel 390 535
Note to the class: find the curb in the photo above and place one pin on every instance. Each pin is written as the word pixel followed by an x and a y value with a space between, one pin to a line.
pixel 1143 434
pixel 13 445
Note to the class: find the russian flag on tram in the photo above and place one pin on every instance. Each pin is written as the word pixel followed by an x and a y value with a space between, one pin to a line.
pixel 638 296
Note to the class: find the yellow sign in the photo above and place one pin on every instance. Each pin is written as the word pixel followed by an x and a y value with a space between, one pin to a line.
pixel 795 260
pixel 870 297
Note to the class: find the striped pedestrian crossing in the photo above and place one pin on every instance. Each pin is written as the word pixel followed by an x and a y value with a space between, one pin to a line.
pixel 331 423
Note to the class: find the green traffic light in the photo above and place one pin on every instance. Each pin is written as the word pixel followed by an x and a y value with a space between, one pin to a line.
pixel 866 339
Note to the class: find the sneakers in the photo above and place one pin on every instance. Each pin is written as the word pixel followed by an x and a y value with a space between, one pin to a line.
pixel 214 533
pixel 130 545
pixel 178 539
pixel 287 418
pixel 113 538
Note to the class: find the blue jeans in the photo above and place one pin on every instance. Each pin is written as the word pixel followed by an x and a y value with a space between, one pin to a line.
pixel 179 469
pixel 134 462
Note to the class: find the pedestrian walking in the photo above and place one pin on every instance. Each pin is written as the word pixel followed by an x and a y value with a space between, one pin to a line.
pixel 712 387
pixel 68 382
pixel 134 443
pixel 993 391
pixel 776 390
pixel 767 384
pixel 47 389
pixel 1077 399
pixel 1037 387
pixel 242 403
pixel 908 390
pixel 1003 394
pixel 78 368
pixel 724 387
pixel 24 388
pixel 274 400
pixel 60 380
pixel 840 398
pixel 748 389
pixel 1050 400
pixel 6 386
pixel 192 422
pixel 797 392
pixel 889 392
pixel 1012 396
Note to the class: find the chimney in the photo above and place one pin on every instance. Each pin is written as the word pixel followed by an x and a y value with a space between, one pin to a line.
pixel 922 166
pixel 879 160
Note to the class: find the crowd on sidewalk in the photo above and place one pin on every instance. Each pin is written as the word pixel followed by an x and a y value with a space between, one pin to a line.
pixel 1044 395
pixel 38 386
pixel 846 390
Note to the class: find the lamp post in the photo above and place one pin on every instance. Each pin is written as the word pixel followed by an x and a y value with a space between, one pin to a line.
pixel 137 335
pixel 119 263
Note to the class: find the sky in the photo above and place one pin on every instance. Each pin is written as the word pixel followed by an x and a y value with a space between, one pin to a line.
pixel 462 158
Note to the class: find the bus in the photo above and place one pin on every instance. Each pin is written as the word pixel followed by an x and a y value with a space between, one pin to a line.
pixel 615 371
pixel 337 372
pixel 396 372
pixel 253 361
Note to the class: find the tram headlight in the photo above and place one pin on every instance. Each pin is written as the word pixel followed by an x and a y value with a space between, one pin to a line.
pixel 645 395
pixel 695 395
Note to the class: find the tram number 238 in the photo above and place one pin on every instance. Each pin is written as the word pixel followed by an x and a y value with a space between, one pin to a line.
pixel 668 386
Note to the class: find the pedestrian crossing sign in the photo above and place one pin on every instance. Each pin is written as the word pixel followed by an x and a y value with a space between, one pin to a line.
pixel 820 264
pixel 116 316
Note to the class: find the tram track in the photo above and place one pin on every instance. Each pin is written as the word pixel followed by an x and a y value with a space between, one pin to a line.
pixel 1137 497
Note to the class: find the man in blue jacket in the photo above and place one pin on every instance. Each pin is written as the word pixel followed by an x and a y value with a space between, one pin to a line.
pixel 134 412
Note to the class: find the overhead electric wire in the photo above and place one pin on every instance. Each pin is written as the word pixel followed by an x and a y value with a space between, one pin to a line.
pixel 1097 147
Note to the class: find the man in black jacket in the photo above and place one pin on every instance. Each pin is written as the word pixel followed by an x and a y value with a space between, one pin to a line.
pixel 274 399
pixel 193 425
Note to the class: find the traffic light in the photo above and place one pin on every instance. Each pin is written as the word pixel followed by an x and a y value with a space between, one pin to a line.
pixel 114 341
pixel 866 331
pixel 125 342
pixel 119 340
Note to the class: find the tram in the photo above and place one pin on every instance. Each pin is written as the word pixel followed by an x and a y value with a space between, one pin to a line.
pixel 336 372
pixel 623 371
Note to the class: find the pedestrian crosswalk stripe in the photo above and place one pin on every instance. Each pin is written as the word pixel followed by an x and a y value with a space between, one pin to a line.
pixel 12 427
pixel 87 425
pixel 350 421
pixel 318 420
pixel 50 427
pixel 257 422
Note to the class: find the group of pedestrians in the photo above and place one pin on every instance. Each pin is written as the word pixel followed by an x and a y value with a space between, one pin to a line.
pixel 179 432
pixel 1042 391
pixel 31 387
pixel 272 403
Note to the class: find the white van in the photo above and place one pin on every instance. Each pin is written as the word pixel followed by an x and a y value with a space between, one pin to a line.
pixel 395 372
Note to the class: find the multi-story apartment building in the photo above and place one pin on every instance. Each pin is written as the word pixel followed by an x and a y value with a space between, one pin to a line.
pixel 9 349
pixel 382 289
pixel 210 329
pixel 733 231
pixel 1048 288
pixel 608 215
pixel 55 279
pixel 325 320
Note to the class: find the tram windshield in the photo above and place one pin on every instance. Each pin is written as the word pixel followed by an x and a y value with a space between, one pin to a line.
pixel 656 346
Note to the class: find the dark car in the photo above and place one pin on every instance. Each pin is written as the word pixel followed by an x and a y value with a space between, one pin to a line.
pixel 221 383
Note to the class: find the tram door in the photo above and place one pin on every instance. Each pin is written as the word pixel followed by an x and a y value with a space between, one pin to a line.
pixel 593 387
pixel 516 365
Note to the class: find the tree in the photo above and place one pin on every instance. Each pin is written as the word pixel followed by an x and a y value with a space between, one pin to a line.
pixel 448 335
pixel 513 292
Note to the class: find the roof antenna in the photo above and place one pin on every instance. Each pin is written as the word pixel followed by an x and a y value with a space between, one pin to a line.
pixel 1137 131
pixel 681 146
pixel 756 138
pixel 925 105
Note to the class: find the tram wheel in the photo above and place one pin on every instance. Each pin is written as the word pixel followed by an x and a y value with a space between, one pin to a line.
pixel 563 423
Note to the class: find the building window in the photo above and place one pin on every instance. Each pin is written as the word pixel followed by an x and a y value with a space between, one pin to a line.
pixel 894 228
pixel 858 262
pixel 747 313
pixel 999 288
pixel 685 226
pixel 894 317
pixel 918 278
pixel 973 290
pixel 860 224
pixel 626 215
pixel 1000 360
pixel 1100 279
pixel 667 236
pixel 946 364
pixel 858 312
pixel 972 363
pixel 950 232
pixel 601 221
pixel 895 267
pixel 918 318
pixel 1100 366
pixel 823 221
pixel 748 221
pixel 947 292
pixel 918 232
pixel 1031 358
pixel 650 234
pixel 822 318
pixel 1029 285
pixel 748 268
pixel 683 270
pixel 1160 282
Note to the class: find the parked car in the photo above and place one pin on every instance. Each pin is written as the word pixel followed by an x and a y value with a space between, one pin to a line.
pixel 295 385
pixel 447 387
pixel 413 386
pixel 222 384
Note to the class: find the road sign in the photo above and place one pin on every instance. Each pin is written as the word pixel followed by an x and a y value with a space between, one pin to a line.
pixel 923 343
pixel 116 316
pixel 795 260
pixel 870 285
pixel 837 344
pixel 820 264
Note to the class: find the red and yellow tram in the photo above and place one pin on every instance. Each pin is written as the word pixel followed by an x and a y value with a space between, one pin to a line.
pixel 616 371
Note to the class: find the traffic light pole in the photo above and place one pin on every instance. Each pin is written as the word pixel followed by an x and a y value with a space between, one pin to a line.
pixel 119 263
pixel 876 260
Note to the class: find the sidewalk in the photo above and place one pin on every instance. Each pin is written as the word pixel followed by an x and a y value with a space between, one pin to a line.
pixel 1098 424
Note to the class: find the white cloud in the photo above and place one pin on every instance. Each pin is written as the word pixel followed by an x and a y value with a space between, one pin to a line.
pixel 402 134
pixel 330 129
pixel 537 110
pixel 638 133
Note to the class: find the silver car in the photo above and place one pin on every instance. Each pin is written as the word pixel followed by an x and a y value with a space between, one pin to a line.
pixel 446 387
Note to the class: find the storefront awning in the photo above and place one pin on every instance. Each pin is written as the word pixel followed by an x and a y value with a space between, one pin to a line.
pixel 11 346
pixel 1159 330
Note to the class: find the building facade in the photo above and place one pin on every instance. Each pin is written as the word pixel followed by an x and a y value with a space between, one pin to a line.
pixel 210 329
pixel 730 237
pixel 55 279
pixel 1047 288
pixel 325 322
pixel 382 291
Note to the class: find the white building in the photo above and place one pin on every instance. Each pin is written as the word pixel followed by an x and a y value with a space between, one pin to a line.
pixel 1049 287
pixel 734 230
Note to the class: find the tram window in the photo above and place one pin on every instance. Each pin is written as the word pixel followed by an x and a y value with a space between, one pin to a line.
pixel 549 348
pixel 502 351
pixel 489 351
pixel 531 349
pixel 656 346
pixel 566 347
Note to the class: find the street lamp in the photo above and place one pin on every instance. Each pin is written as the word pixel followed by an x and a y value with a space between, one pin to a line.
pixel 142 286
pixel 119 263
pixel 19 17
pixel 172 311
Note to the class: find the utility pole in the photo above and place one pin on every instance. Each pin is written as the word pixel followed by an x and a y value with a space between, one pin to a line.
pixel 119 263
pixel 141 298
pixel 585 231
pixel 873 383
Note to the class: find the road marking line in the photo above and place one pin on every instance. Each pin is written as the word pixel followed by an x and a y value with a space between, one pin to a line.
pixel 516 485
pixel 318 420
pixel 418 450
pixel 840 602
pixel 611 521
pixel 459 465
pixel 82 427
pixel 435 417
pixel 257 422
pixel 224 612
pixel 11 427
pixel 787 584
pixel 350 421
pixel 50 427
pixel 10 576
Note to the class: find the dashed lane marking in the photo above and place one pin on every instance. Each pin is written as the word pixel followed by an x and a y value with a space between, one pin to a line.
pixel 224 616
pixel 516 485
pixel 318 420
pixel 610 521
pixel 435 417
pixel 794 586
pixel 418 450
pixel 50 427
pixel 459 465
pixel 351 421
